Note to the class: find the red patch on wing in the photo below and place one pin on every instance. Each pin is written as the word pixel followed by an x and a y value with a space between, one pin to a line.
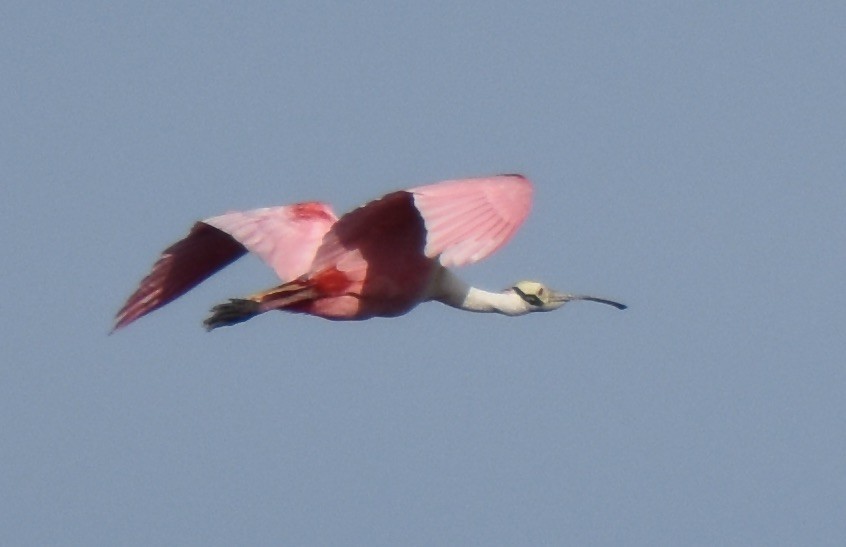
pixel 309 210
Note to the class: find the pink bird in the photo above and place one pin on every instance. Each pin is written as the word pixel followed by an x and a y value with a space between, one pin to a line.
pixel 380 260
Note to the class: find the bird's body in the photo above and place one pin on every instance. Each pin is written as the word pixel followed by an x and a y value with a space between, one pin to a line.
pixel 380 260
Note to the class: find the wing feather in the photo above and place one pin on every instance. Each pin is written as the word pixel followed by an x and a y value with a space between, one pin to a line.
pixel 469 219
pixel 286 237
pixel 181 267
pixel 447 220
pixel 465 235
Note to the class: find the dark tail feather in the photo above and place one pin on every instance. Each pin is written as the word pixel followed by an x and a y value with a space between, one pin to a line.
pixel 181 267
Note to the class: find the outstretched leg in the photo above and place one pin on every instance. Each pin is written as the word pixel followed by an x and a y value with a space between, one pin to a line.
pixel 238 310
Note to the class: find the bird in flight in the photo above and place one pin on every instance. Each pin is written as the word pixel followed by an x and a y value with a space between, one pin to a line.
pixel 380 260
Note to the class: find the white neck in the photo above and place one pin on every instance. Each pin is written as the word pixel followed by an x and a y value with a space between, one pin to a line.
pixel 452 291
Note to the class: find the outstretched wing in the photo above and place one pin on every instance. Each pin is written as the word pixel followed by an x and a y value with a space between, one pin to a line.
pixel 467 220
pixel 180 268
pixel 286 238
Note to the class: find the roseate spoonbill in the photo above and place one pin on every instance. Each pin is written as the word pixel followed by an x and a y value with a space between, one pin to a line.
pixel 379 260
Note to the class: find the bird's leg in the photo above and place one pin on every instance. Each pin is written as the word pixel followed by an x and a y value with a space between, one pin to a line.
pixel 238 310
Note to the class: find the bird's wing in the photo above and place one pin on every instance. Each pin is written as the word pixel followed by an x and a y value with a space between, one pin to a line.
pixel 467 220
pixel 386 234
pixel 180 268
pixel 286 238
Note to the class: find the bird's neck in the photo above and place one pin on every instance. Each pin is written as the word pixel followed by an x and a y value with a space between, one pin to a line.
pixel 452 291
pixel 506 303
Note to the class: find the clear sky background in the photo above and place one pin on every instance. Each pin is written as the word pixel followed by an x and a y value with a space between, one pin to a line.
pixel 689 159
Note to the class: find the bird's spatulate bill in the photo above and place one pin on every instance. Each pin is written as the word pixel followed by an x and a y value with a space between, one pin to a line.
pixel 617 305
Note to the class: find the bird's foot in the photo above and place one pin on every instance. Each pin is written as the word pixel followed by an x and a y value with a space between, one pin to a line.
pixel 237 310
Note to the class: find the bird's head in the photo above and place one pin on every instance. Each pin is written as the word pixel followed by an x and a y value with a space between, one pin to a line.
pixel 538 297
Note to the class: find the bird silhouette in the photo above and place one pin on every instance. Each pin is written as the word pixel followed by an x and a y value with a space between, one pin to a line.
pixel 379 260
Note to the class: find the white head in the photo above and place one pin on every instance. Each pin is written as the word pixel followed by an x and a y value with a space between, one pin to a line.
pixel 538 297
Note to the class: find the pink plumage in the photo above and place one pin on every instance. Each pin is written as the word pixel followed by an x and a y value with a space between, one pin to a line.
pixel 286 237
pixel 381 259
pixel 468 220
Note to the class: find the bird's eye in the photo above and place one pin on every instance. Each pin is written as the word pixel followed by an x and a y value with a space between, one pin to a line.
pixel 540 291
pixel 529 298
pixel 532 299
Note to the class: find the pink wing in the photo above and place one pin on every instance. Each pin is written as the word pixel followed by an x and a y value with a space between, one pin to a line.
pixel 284 237
pixel 467 220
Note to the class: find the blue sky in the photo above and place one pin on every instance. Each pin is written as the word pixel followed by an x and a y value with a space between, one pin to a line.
pixel 688 160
